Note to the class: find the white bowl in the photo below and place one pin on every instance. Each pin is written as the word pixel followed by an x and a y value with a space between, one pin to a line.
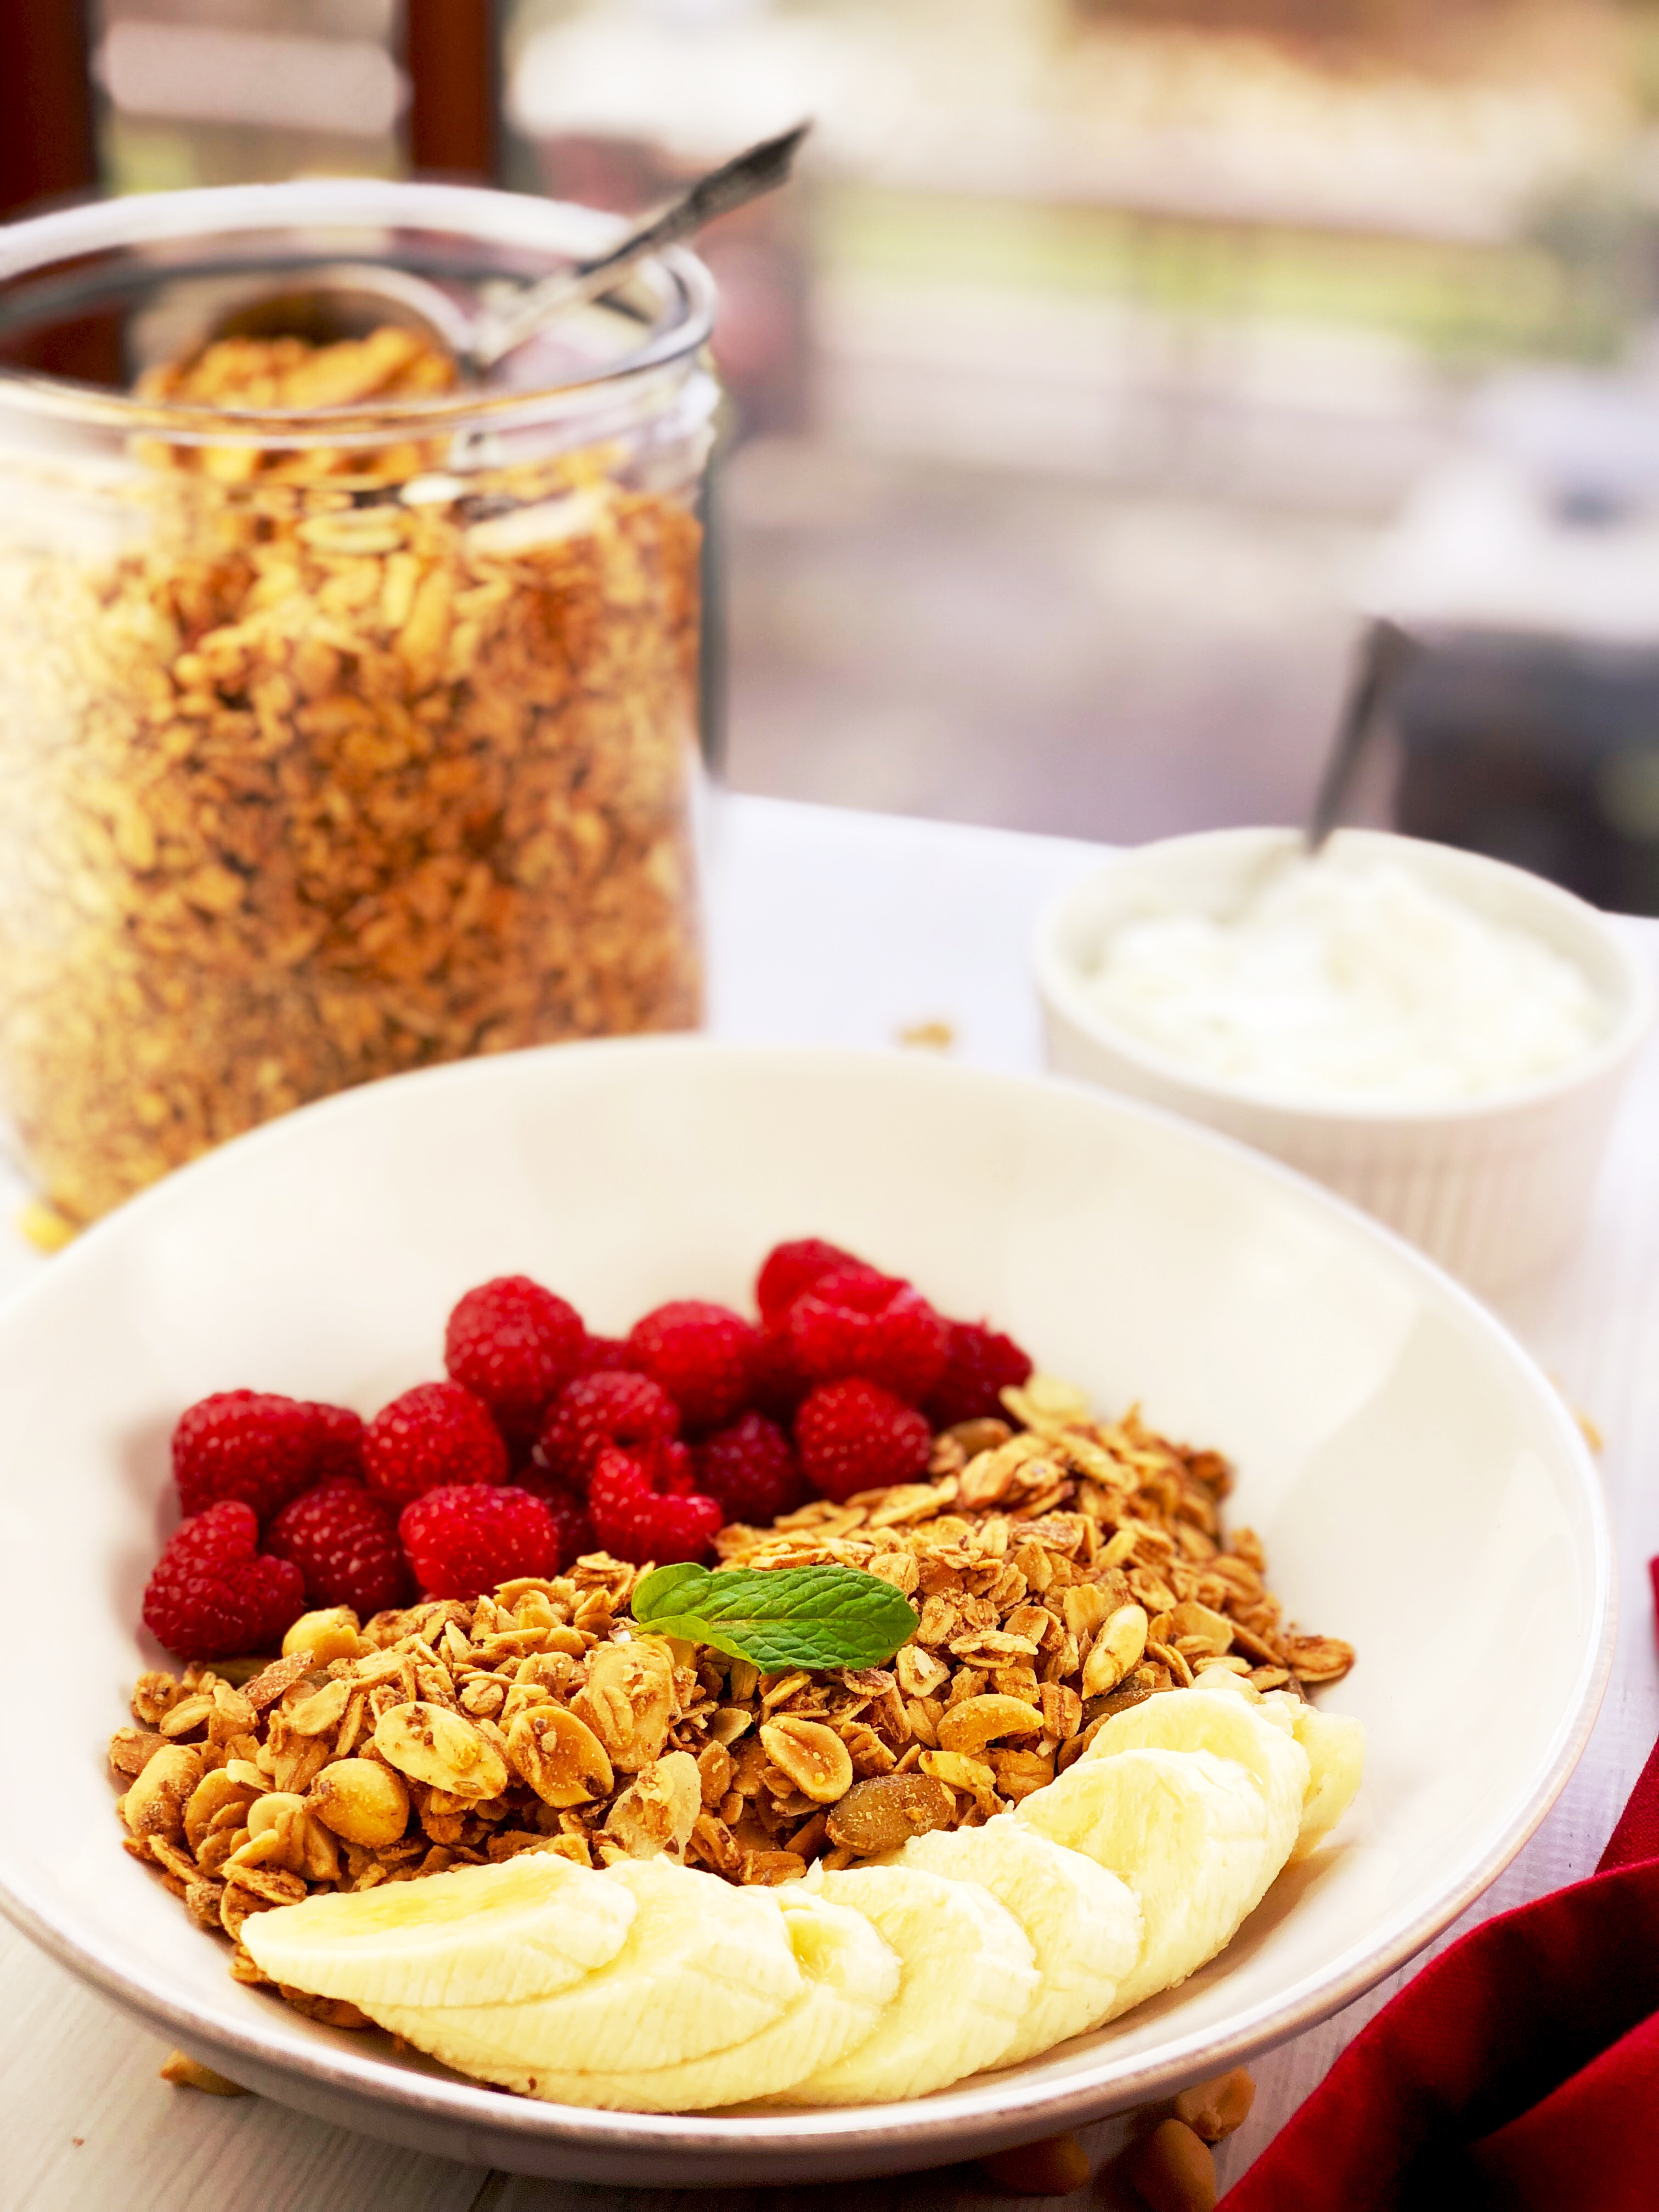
pixel 1418 1484
pixel 1495 1190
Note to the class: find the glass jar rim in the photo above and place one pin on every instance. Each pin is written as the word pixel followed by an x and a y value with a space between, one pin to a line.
pixel 30 248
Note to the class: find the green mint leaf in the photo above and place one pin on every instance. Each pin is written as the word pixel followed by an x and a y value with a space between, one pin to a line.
pixel 779 1617
pixel 651 1592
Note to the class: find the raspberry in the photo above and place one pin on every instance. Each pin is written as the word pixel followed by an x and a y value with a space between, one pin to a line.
pixel 853 1322
pixel 436 1433
pixel 979 1364
pixel 213 1594
pixel 338 1456
pixel 789 1269
pixel 572 1529
pixel 343 1540
pixel 644 1508
pixel 260 1448
pixel 778 1384
pixel 610 1408
pixel 671 1464
pixel 464 1538
pixel 513 1345
pixel 703 1355
pixel 748 1470
pixel 854 1436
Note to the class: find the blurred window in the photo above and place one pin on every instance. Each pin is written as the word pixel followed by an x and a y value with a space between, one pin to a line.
pixel 196 72
pixel 199 91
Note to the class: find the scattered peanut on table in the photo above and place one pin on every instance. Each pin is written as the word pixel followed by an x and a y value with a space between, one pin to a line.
pixel 1052 2167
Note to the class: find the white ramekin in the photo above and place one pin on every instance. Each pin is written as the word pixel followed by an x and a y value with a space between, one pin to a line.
pixel 1494 1190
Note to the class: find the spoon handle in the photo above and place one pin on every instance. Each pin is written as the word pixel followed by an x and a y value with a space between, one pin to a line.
pixel 1384 655
pixel 762 168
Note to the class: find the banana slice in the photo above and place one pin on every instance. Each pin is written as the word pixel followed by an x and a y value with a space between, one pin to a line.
pixel 1216 1680
pixel 851 1978
pixel 1083 1923
pixel 705 1965
pixel 1188 1831
pixel 1200 1719
pixel 492 1935
pixel 966 1979
pixel 1335 1746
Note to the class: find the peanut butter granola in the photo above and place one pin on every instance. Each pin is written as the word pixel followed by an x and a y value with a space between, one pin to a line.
pixel 1062 1569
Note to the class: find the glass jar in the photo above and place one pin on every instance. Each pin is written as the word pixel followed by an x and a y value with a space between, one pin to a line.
pixel 347 713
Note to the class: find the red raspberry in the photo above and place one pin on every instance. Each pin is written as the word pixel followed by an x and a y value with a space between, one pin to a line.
pixel 343 1540
pixel 464 1538
pixel 789 1269
pixel 436 1433
pixel 260 1448
pixel 213 1594
pixel 513 1345
pixel 748 1470
pixel 853 1322
pixel 779 1386
pixel 703 1355
pixel 854 1436
pixel 979 1364
pixel 670 1465
pixel 572 1529
pixel 610 1408
pixel 645 1509
pixel 338 1456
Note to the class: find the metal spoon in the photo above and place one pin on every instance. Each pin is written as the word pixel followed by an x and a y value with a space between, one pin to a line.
pixel 746 177
pixel 1385 653
pixel 345 301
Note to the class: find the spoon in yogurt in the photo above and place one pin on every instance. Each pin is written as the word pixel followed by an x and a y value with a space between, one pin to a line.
pixel 1386 653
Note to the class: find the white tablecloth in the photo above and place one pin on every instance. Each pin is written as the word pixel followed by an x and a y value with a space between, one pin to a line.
pixel 845 928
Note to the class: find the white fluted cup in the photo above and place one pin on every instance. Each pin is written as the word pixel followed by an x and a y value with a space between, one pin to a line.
pixel 1495 1189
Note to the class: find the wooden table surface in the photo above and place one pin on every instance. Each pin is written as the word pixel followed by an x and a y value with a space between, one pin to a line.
pixel 835 927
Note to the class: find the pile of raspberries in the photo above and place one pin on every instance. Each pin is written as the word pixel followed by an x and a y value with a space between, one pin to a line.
pixel 546 1441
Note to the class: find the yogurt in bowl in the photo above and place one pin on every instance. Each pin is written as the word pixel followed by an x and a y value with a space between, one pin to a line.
pixel 1439 1036
pixel 1338 980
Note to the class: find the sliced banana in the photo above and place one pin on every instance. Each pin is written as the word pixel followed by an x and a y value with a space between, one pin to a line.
pixel 1335 1747
pixel 1188 1831
pixel 491 1934
pixel 1334 1744
pixel 1083 1923
pixel 1240 1686
pixel 966 1979
pixel 1200 1719
pixel 704 1965
pixel 851 1978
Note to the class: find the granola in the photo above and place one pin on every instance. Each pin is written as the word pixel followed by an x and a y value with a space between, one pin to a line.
pixel 324 763
pixel 1061 1569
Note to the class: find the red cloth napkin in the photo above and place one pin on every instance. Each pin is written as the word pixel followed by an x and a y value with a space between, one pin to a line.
pixel 1519 2070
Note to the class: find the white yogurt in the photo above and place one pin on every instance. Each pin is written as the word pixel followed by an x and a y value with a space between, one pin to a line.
pixel 1340 981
